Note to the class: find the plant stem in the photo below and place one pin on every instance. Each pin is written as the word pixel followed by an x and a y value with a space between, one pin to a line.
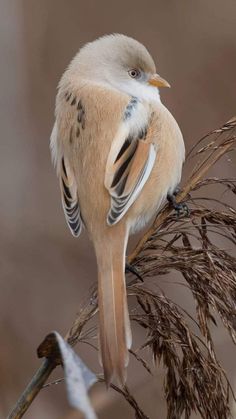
pixel 32 389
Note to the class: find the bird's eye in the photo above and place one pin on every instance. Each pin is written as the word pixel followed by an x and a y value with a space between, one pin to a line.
pixel 134 73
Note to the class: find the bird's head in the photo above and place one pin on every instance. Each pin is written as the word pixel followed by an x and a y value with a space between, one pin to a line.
pixel 121 62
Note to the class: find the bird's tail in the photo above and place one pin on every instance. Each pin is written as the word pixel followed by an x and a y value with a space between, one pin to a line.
pixel 115 332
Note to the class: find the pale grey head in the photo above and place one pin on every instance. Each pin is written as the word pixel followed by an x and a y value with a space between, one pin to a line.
pixel 120 62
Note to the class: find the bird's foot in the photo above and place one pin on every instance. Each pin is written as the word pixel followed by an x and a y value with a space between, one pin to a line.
pixel 181 208
pixel 133 270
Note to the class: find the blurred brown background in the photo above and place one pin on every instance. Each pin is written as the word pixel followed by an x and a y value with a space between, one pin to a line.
pixel 45 273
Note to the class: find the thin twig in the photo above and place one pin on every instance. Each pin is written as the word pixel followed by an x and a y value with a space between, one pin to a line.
pixel 32 389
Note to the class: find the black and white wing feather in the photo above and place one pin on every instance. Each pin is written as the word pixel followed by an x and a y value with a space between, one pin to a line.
pixel 128 169
pixel 61 135
pixel 69 199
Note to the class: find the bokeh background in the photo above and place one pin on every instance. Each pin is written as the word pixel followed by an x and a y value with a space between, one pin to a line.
pixel 45 273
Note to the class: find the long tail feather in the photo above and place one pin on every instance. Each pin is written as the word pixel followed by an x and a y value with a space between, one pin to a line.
pixel 115 333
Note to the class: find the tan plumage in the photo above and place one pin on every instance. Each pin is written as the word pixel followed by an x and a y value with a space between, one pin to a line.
pixel 118 152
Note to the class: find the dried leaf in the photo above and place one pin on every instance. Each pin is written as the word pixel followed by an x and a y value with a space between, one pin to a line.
pixel 78 377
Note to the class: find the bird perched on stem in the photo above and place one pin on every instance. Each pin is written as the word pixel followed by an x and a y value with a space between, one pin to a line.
pixel 118 153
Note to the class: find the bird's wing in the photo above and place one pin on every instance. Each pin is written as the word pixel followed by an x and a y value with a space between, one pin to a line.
pixel 69 198
pixel 129 165
pixel 63 132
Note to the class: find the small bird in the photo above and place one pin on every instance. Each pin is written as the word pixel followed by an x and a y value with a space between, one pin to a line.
pixel 118 153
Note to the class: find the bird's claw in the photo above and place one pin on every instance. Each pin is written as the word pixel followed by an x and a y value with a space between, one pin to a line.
pixel 133 270
pixel 181 208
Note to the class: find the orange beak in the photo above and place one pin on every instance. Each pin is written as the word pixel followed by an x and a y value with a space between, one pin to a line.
pixel 158 81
